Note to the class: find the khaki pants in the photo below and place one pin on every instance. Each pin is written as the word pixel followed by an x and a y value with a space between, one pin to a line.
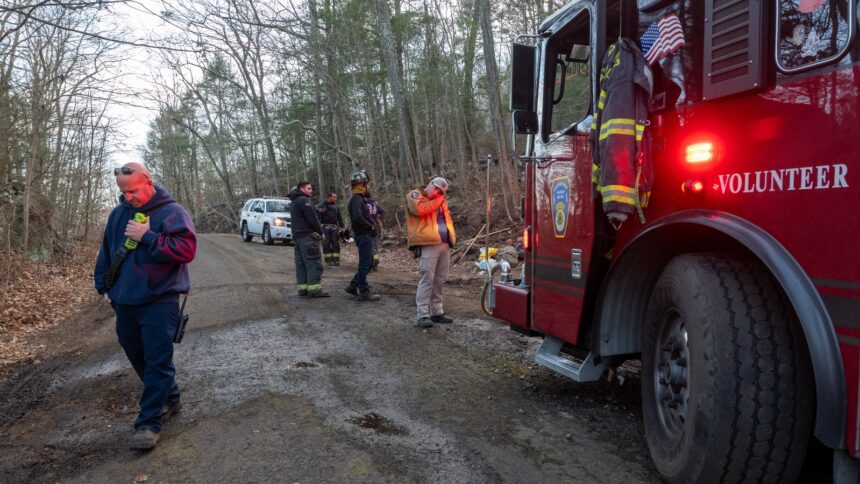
pixel 433 267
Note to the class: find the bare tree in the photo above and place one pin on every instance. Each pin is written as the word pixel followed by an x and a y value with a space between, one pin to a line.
pixel 408 153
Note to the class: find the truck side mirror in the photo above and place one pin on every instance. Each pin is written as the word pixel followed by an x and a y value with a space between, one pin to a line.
pixel 522 77
pixel 579 53
pixel 522 98
pixel 525 122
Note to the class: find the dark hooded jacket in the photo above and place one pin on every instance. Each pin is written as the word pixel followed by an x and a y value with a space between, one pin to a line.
pixel 303 217
pixel 156 270
pixel 359 215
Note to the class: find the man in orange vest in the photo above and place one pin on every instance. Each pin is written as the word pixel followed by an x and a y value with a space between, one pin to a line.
pixel 431 235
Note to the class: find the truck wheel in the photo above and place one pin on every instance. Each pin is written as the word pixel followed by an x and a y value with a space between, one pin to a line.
pixel 246 236
pixel 727 388
pixel 267 235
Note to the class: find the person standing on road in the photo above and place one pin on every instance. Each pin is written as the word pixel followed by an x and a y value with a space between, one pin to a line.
pixel 376 213
pixel 141 271
pixel 307 234
pixel 431 235
pixel 364 228
pixel 332 225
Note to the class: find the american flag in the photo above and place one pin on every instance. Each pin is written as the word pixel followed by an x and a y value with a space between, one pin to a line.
pixel 661 38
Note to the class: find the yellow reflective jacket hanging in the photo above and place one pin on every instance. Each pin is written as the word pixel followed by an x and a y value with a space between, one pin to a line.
pixel 621 148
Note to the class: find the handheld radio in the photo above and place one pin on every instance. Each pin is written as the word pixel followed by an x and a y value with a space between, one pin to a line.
pixel 131 244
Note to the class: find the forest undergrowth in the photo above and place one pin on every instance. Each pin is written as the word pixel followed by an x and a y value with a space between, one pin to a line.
pixel 37 295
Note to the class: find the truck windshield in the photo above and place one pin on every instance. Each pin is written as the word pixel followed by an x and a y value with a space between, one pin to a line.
pixel 276 206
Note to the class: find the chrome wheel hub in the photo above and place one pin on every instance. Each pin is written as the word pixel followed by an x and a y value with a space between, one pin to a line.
pixel 672 373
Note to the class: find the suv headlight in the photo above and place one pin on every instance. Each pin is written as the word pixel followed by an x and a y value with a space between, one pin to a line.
pixel 279 222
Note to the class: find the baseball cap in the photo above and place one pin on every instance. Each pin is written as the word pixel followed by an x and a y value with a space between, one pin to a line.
pixel 440 183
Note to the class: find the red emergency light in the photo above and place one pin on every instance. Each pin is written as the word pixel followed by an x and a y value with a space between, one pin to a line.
pixel 693 187
pixel 702 152
pixel 526 238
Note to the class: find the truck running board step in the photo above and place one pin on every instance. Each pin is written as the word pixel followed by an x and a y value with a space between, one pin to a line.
pixel 551 356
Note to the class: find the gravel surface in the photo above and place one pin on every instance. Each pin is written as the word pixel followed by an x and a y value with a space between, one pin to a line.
pixel 278 388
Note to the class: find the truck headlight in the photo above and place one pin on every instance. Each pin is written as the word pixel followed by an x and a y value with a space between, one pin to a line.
pixel 279 222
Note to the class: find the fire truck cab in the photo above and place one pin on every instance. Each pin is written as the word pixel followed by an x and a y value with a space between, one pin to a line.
pixel 738 285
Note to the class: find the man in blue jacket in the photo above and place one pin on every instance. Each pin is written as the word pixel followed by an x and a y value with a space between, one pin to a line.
pixel 141 271
pixel 364 227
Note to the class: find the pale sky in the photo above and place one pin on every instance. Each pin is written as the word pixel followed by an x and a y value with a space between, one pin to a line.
pixel 136 110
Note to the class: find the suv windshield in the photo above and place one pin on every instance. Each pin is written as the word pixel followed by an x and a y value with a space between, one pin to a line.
pixel 276 206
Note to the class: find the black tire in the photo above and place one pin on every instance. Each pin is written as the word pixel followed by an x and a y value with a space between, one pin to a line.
pixel 267 235
pixel 246 236
pixel 723 346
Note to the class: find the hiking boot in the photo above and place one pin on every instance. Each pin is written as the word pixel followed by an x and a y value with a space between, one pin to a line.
pixel 351 289
pixel 425 322
pixel 172 409
pixel 144 438
pixel 303 293
pixel 368 296
pixel 319 293
pixel 441 318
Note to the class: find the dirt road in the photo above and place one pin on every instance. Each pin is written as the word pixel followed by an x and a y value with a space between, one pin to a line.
pixel 278 388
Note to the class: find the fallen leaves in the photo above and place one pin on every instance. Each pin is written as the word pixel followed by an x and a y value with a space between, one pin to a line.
pixel 36 295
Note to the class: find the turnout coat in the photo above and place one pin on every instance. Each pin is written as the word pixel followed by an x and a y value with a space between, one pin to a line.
pixel 622 172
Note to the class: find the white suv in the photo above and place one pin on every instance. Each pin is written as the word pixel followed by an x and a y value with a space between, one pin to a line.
pixel 268 218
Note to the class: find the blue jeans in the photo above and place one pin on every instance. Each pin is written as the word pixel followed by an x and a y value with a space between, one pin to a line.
pixel 365 261
pixel 145 333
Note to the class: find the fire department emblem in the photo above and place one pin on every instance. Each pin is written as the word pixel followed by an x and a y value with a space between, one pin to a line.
pixel 561 205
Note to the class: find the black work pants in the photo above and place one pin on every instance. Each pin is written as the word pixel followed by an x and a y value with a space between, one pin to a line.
pixel 376 240
pixel 309 266
pixel 331 243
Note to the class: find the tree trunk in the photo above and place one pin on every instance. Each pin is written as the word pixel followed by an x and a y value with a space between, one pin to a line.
pixel 318 144
pixel 468 91
pixel 493 90
pixel 408 153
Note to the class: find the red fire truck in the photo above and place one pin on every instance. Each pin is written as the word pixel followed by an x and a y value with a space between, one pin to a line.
pixel 738 288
